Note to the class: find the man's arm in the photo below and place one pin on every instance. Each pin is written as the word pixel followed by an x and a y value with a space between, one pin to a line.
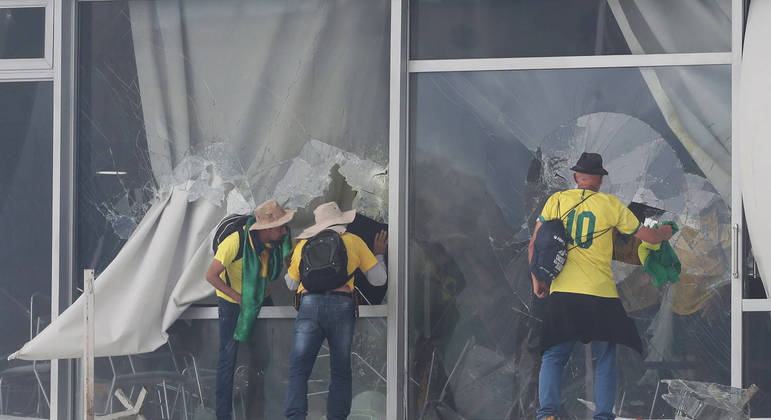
pixel 654 236
pixel 539 287
pixel 377 275
pixel 213 277
pixel 292 276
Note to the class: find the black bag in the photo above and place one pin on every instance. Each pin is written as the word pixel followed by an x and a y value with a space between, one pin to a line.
pixel 324 262
pixel 228 225
pixel 550 250
pixel 550 247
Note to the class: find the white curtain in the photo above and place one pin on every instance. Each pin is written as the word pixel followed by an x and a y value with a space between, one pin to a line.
pixel 754 128
pixel 232 94
pixel 686 100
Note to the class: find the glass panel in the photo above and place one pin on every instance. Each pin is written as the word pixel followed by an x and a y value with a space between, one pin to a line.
pixel 757 365
pixel 230 103
pixel 22 32
pixel 486 150
pixel 526 28
pixel 261 374
pixel 26 129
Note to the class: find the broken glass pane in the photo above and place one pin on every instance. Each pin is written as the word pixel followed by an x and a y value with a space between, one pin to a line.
pixel 260 377
pixel 487 150
pixel 694 400
pixel 223 111
pixel 26 162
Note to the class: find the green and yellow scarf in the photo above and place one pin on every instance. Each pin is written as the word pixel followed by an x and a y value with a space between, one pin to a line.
pixel 253 284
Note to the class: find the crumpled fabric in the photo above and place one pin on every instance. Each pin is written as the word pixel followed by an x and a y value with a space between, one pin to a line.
pixel 253 284
pixel 660 260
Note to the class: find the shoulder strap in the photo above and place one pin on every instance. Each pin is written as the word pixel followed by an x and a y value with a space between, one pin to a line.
pixel 577 204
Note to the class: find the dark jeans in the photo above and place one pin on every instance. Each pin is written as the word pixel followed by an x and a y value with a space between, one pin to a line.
pixel 321 316
pixel 228 351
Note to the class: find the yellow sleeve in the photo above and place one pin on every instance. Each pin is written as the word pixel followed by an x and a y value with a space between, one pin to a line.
pixel 294 266
pixel 644 249
pixel 627 222
pixel 227 249
pixel 367 259
pixel 549 211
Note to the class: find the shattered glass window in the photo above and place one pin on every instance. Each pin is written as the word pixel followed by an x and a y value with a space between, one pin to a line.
pixel 260 380
pixel 26 191
pixel 190 111
pixel 486 151
pixel 231 103
pixel 449 29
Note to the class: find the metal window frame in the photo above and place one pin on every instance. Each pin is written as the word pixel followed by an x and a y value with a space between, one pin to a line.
pixel 46 69
pixel 400 69
pixel 733 58
pixel 44 65
pixel 737 25
pixel 570 62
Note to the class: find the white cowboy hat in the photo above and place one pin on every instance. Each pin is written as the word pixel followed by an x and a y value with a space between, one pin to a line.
pixel 269 215
pixel 328 216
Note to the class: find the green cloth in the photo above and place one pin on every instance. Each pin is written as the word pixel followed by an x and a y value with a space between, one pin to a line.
pixel 662 262
pixel 252 284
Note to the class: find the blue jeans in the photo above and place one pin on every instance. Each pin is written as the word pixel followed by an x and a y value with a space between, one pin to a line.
pixel 228 351
pixel 321 316
pixel 550 379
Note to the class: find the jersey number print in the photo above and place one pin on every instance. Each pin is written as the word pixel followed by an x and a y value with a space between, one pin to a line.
pixel 584 228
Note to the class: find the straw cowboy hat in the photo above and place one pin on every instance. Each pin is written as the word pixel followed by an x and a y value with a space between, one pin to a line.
pixel 269 215
pixel 328 216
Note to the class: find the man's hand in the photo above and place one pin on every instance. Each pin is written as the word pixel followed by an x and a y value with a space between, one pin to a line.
pixel 380 244
pixel 540 288
pixel 666 232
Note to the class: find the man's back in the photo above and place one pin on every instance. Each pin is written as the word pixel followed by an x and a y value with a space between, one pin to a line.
pixel 590 228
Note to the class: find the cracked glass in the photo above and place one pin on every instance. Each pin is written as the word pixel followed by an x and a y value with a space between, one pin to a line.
pixel 26 191
pixel 260 379
pixel 163 106
pixel 486 151
pixel 458 29
pixel 228 104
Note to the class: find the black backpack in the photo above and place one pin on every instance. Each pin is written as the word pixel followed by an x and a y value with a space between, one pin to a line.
pixel 324 262
pixel 550 250
pixel 228 225
pixel 550 247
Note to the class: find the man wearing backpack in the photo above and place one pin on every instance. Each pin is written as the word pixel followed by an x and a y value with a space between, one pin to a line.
pixel 322 270
pixel 583 303
pixel 243 266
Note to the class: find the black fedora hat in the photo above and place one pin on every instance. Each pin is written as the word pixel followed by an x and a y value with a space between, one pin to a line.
pixel 590 163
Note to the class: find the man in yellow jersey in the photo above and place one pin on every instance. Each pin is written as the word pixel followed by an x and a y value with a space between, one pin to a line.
pixel 583 304
pixel 329 314
pixel 225 274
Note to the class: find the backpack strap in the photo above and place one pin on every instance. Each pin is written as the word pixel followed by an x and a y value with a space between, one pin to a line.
pixel 571 209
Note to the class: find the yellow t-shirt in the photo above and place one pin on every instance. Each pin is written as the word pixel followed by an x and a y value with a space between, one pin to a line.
pixel 359 256
pixel 227 251
pixel 590 228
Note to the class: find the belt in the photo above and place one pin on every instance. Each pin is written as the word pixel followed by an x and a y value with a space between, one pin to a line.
pixel 330 292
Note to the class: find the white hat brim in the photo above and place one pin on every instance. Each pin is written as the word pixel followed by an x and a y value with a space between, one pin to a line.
pixel 282 221
pixel 338 224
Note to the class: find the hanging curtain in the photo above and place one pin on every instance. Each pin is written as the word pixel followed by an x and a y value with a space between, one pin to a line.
pixel 686 100
pixel 231 94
